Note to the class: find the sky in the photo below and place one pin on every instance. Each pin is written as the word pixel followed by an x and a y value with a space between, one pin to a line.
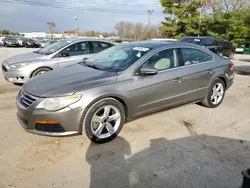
pixel 26 18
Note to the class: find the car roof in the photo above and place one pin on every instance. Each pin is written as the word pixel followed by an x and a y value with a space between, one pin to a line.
pixel 160 44
pixel 198 37
pixel 148 44
pixel 84 39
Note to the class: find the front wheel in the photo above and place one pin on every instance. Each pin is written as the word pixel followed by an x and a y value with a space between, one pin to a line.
pixel 39 72
pixel 215 95
pixel 104 120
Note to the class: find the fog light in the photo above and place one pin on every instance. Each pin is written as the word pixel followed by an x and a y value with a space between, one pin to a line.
pixel 47 122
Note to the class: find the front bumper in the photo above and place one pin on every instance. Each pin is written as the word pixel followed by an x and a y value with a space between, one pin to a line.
pixel 20 75
pixel 69 119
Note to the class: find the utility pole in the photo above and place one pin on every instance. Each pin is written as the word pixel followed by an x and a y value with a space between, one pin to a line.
pixel 76 27
pixel 201 11
pixel 150 12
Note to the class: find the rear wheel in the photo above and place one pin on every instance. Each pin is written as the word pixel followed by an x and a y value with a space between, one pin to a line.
pixel 104 120
pixel 39 72
pixel 215 95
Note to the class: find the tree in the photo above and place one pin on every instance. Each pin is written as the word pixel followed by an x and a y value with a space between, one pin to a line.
pixel 228 5
pixel 182 18
pixel 5 32
pixel 231 25
pixel 136 31
pixel 52 26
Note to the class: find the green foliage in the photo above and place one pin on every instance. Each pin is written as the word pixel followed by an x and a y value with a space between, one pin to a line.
pixel 5 32
pixel 230 20
pixel 231 25
pixel 182 18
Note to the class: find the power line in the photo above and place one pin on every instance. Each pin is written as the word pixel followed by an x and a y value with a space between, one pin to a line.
pixel 104 3
pixel 91 9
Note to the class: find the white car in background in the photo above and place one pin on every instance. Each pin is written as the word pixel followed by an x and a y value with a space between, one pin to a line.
pixel 1 40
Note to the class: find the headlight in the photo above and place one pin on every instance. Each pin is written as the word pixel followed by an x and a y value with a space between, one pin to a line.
pixel 19 65
pixel 53 104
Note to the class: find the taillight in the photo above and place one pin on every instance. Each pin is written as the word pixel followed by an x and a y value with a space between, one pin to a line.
pixel 231 65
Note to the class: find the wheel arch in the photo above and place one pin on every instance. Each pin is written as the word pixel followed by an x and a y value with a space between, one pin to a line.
pixel 47 67
pixel 124 102
pixel 223 79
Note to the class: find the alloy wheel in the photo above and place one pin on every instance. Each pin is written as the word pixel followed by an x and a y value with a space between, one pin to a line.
pixel 217 93
pixel 40 73
pixel 105 121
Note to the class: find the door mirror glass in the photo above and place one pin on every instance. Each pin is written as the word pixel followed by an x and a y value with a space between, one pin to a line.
pixel 64 54
pixel 148 71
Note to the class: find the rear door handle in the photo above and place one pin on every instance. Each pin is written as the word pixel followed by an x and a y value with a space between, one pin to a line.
pixel 178 80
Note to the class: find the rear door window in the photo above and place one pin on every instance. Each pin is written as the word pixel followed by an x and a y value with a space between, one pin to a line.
pixel 194 56
pixel 80 48
pixel 100 46
pixel 206 42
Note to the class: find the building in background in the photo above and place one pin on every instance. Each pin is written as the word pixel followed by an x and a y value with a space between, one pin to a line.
pixel 34 35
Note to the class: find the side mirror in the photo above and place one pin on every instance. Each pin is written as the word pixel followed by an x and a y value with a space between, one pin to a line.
pixel 144 71
pixel 64 54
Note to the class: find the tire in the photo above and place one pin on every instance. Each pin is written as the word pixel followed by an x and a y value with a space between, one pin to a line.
pixel 39 71
pixel 209 101
pixel 5 45
pixel 100 107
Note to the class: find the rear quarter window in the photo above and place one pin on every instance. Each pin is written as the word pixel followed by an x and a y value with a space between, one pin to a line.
pixel 194 56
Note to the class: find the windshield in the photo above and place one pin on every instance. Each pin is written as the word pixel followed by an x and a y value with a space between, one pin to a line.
pixel 192 40
pixel 198 41
pixel 10 39
pixel 117 58
pixel 53 47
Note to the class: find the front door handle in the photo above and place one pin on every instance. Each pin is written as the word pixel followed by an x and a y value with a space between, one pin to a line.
pixel 178 80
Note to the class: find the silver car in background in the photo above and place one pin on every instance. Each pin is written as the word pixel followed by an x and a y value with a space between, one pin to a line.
pixel 18 69
pixel 126 81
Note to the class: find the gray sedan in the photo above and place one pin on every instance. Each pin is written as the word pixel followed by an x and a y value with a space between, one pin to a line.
pixel 20 68
pixel 126 81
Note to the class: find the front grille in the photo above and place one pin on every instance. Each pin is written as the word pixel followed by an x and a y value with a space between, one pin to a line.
pixel 4 68
pixel 26 99
pixel 49 128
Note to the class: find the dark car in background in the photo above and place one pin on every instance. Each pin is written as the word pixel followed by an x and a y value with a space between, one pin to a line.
pixel 227 48
pixel 9 41
pixel 209 42
pixel 29 43
pixel 220 47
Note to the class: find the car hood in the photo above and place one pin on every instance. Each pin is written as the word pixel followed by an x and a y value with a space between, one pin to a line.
pixel 27 57
pixel 68 80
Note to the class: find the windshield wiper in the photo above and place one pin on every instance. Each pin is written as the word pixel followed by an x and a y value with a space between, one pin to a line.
pixel 92 66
